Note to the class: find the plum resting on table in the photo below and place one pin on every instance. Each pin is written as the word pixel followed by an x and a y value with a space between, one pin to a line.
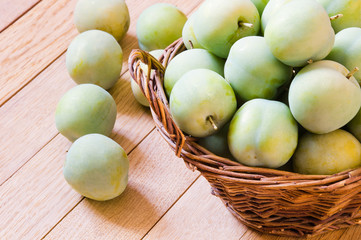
pixel 111 16
pixel 94 57
pixel 96 167
pixel 84 109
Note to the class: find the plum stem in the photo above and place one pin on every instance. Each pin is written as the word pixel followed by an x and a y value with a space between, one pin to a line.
pixel 190 43
pixel 309 61
pixel 249 25
pixel 350 74
pixel 210 119
pixel 336 16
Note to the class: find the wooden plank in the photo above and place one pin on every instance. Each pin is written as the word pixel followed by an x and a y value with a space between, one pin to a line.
pixel 27 121
pixel 351 233
pixel 36 194
pixel 11 10
pixel 25 53
pixel 33 42
pixel 29 114
pixel 156 179
pixel 197 215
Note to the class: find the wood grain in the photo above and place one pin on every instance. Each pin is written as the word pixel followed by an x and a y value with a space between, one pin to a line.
pixel 27 120
pixel 35 200
pixel 26 53
pixel 352 233
pixel 197 215
pixel 37 195
pixel 156 179
pixel 10 10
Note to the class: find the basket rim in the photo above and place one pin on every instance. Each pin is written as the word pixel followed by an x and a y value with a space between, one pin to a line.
pixel 197 157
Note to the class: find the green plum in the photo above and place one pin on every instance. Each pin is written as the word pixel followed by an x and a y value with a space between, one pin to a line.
pixel 260 5
pixel 300 31
pixel 111 16
pixel 217 142
pixel 347 50
pixel 189 39
pixel 328 153
pixel 96 167
pixel 159 25
pixel 253 71
pixel 94 57
pixel 270 10
pixel 189 60
pixel 350 10
pixel 138 94
pixel 84 109
pixel 201 102
pixel 218 24
pixel 263 133
pixel 323 98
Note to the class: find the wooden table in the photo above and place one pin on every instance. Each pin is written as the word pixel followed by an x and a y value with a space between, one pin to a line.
pixel 163 200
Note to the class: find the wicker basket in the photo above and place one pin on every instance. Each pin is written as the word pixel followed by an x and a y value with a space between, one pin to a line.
pixel 271 201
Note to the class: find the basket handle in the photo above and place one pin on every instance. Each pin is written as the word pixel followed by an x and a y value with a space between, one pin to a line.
pixel 151 84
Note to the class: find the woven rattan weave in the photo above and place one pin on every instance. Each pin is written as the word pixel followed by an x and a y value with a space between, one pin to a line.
pixel 271 201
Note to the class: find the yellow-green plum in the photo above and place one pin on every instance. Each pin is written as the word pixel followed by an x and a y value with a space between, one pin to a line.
pixel 85 109
pixel 96 167
pixel 260 5
pixel 263 133
pixel 321 97
pixel 94 57
pixel 159 25
pixel 138 94
pixel 201 102
pixel 300 31
pixel 253 71
pixel 271 9
pixel 188 36
pixel 189 60
pixel 347 50
pixel 111 16
pixel 350 10
pixel 325 154
pixel 217 142
pixel 218 24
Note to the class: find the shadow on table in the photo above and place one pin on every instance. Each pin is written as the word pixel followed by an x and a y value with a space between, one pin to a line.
pixel 131 210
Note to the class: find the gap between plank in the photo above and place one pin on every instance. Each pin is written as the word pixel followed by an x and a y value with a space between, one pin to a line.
pixel 20 16
pixel 35 76
pixel 180 196
pixel 65 215
pixel 58 132
pixel 29 159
